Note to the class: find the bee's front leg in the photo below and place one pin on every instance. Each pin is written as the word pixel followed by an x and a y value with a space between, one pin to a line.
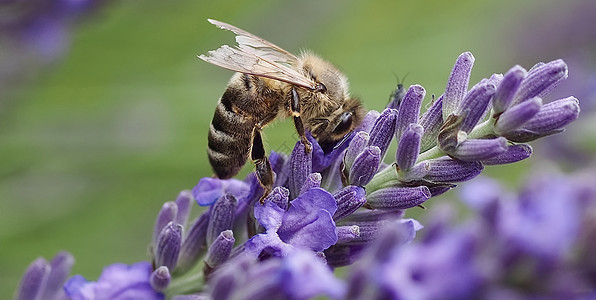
pixel 263 167
pixel 295 107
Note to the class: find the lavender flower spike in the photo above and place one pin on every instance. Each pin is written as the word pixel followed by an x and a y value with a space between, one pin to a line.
pixel 160 278
pixel 409 110
pixel 34 280
pixel 408 147
pixel 507 89
pixel 457 85
pixel 393 198
pixel 168 246
pixel 222 217
pixel 365 166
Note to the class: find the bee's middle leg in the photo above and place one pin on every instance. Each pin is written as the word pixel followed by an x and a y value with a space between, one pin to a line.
pixel 263 168
pixel 298 121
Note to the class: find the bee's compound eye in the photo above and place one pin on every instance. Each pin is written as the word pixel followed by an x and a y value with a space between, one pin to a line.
pixel 345 122
pixel 321 88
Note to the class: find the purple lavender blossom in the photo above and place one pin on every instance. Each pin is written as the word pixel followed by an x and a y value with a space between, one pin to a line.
pixel 307 224
pixel 117 281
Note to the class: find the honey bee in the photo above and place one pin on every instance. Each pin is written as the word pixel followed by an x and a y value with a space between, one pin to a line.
pixel 271 82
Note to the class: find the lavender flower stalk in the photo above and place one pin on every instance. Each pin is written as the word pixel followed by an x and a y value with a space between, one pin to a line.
pixel 330 209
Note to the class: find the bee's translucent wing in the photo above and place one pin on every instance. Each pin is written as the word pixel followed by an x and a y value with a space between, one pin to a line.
pixel 257 56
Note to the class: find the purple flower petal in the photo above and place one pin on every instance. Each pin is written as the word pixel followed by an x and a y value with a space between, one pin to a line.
pixel 117 281
pixel 457 85
pixel 305 277
pixel 208 190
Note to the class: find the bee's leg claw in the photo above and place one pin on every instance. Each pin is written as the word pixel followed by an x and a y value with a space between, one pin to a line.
pixel 263 168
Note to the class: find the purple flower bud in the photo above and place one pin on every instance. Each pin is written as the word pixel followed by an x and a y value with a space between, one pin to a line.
pixel 60 270
pixel 356 147
pixel 222 217
pixel 398 197
pixel 457 85
pixel 367 231
pixel 167 214
pixel 220 250
pixel 409 110
pixel 34 280
pixel 541 80
pixel 409 147
pixel 160 278
pixel 507 89
pixel 431 121
pixel 183 202
pixel 313 180
pixel 280 197
pixel 365 166
pixel 348 199
pixel 551 118
pixel 369 215
pixel 279 163
pixel 395 234
pixel 517 115
pixel 449 170
pixel 191 297
pixel 305 277
pixel 301 167
pixel 513 154
pixel 194 245
pixel 168 246
pixel 480 149
pixel 346 234
pixel 383 130
pixel 369 121
pixel 474 104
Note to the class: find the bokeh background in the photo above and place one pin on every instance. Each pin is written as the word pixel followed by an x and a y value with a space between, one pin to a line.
pixel 104 106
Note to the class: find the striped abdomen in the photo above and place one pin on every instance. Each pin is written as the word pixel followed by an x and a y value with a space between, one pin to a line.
pixel 230 136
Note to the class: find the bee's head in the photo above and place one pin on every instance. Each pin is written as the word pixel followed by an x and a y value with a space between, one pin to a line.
pixel 341 122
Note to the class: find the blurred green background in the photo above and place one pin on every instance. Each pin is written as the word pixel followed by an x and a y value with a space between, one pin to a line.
pixel 93 144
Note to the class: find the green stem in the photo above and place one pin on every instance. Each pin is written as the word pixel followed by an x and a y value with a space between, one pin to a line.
pixel 434 152
pixel 388 174
pixel 186 285
pixel 483 129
